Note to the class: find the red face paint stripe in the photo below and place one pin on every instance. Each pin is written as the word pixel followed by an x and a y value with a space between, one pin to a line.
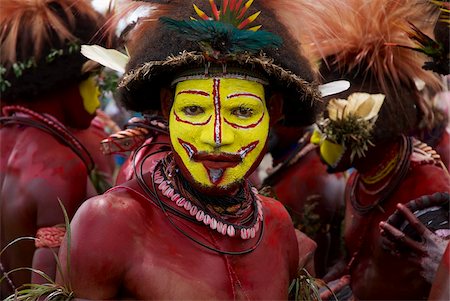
pixel 217 121
pixel 245 126
pixel 197 92
pixel 189 148
pixel 244 94
pixel 244 151
pixel 191 123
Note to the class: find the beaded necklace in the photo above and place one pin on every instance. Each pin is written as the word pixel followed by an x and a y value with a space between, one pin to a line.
pixel 394 180
pixel 391 183
pixel 168 187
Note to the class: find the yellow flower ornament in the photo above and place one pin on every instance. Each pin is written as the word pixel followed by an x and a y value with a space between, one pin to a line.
pixel 349 126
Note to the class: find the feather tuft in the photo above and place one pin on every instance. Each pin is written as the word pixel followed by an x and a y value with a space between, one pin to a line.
pixel 110 58
pixel 38 23
pixel 355 32
pixel 216 36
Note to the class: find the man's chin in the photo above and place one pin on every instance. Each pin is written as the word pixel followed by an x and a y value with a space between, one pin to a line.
pixel 216 190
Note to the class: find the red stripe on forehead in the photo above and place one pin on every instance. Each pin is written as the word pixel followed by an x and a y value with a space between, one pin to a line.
pixel 197 92
pixel 217 121
pixel 244 94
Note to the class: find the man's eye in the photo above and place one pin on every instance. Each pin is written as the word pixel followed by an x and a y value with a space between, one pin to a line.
pixel 242 112
pixel 193 110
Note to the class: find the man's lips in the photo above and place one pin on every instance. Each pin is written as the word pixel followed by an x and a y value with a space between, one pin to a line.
pixel 193 153
pixel 217 161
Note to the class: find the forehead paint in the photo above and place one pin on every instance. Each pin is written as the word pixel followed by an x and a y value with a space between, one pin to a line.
pixel 217 120
pixel 197 92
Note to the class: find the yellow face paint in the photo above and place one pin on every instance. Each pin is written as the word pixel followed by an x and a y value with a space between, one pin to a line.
pixel 218 128
pixel 330 152
pixel 90 93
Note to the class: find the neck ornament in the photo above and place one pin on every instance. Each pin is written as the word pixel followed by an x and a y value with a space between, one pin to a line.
pixel 383 171
pixel 248 227
pixel 397 168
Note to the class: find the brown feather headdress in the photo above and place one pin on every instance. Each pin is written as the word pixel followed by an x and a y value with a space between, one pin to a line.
pixel 359 40
pixel 39 43
pixel 364 33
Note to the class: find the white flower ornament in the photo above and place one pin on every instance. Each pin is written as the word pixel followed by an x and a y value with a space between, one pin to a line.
pixel 361 105
pixel 350 121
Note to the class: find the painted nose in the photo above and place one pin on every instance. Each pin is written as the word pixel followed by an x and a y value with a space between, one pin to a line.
pixel 217 134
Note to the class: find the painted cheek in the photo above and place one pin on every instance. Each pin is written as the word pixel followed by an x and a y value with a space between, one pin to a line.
pixel 331 152
pixel 190 135
pixel 256 137
pixel 316 137
pixel 90 94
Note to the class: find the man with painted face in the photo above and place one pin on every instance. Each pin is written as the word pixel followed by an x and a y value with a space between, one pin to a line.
pixel 48 147
pixel 192 227
pixel 367 128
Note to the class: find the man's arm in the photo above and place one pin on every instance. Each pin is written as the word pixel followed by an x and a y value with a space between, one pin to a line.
pixel 97 254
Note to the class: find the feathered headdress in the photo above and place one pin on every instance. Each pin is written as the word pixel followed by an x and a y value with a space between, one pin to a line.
pixel 360 34
pixel 356 39
pixel 436 49
pixel 181 39
pixel 40 42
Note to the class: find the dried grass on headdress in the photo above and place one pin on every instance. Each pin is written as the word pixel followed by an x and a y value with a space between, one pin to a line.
pixel 37 23
pixel 357 33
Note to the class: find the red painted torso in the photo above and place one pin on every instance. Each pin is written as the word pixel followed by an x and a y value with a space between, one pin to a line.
pixel 317 197
pixel 141 255
pixel 375 272
pixel 35 171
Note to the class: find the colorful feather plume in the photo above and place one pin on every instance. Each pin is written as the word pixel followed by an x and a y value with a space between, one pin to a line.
pixel 37 23
pixel 231 12
pixel 361 33
pixel 224 38
pixel 225 33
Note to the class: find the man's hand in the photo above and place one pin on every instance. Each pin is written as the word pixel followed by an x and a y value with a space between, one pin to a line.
pixel 427 253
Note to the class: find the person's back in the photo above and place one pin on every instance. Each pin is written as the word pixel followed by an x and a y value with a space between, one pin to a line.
pixel 372 265
pixel 36 170
pixel 46 96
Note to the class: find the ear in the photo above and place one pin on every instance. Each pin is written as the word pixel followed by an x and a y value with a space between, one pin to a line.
pixel 275 108
pixel 166 98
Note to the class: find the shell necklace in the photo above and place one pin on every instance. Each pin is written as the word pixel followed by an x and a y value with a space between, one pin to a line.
pixel 204 215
